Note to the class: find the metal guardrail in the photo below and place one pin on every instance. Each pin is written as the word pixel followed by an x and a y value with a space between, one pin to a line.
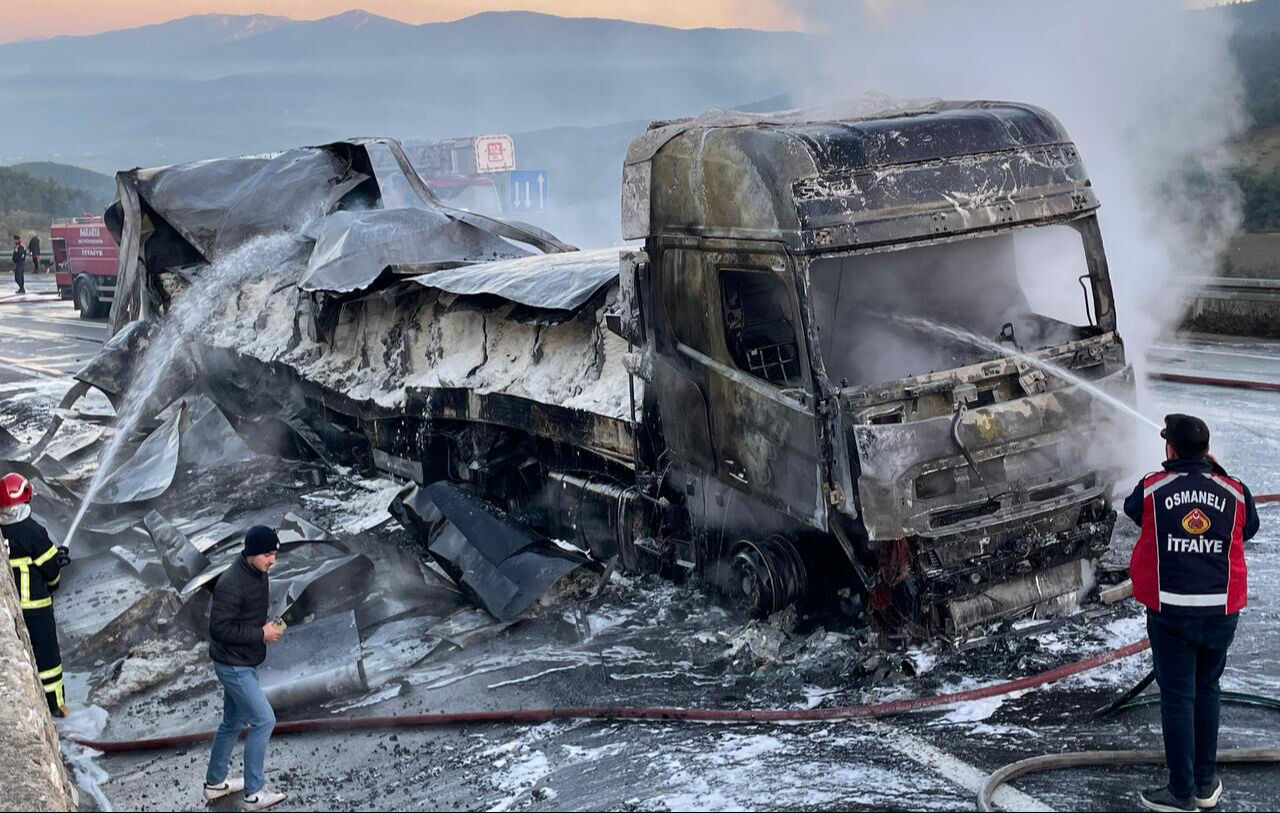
pixel 1242 289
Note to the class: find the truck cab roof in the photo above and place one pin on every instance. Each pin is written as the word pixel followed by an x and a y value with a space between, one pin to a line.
pixel 857 175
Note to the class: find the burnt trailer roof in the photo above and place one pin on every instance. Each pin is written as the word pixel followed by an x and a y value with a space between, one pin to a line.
pixel 857 175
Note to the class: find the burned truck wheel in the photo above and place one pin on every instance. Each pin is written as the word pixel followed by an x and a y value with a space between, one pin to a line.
pixel 766 576
pixel 85 293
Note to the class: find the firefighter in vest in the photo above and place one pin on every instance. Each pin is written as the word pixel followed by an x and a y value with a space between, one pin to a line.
pixel 37 565
pixel 1188 569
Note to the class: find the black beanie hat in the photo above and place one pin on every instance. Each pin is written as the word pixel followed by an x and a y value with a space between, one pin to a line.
pixel 260 539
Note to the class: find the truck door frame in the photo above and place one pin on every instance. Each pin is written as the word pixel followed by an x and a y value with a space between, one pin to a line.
pixel 751 434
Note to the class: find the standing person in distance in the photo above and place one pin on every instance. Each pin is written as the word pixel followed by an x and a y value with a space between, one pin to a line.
pixel 19 264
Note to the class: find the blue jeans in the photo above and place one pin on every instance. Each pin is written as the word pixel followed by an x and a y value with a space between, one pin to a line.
pixel 1190 652
pixel 243 703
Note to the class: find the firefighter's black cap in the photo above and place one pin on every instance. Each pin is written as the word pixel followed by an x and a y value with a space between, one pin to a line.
pixel 1187 434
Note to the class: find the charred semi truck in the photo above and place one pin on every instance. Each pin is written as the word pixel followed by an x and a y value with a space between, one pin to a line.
pixel 826 377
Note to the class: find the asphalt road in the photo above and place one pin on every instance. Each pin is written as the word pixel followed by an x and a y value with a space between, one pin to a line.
pixel 42 336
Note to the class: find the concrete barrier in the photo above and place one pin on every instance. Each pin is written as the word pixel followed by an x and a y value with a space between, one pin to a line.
pixel 1235 306
pixel 32 776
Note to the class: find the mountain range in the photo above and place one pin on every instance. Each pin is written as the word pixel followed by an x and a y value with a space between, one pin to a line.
pixel 214 85
pixel 573 91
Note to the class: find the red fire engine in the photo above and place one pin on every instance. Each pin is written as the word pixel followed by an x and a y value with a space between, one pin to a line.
pixel 84 261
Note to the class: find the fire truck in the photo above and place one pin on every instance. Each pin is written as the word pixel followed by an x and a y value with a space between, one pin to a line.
pixel 478 173
pixel 84 261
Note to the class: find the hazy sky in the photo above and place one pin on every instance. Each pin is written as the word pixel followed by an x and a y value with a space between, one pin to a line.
pixel 42 18
pixel 45 18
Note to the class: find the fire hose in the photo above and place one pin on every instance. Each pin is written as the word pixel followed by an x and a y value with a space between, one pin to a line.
pixel 1210 381
pixel 677 714
pixel 1128 700
pixel 673 714
pixel 649 713
pixel 1084 758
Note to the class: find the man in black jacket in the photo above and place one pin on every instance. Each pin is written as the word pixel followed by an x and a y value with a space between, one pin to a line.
pixel 238 636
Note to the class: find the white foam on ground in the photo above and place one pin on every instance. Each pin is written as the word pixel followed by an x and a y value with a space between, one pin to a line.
pixel 85 722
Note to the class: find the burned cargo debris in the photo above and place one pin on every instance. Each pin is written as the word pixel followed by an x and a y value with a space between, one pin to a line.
pixel 822 380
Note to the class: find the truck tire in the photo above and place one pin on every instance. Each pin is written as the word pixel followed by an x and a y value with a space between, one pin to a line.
pixel 85 293
pixel 766 575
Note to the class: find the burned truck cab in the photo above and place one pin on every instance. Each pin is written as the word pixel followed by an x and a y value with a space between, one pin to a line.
pixel 876 345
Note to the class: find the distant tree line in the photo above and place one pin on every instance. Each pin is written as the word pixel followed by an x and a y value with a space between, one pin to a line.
pixel 23 193
pixel 1258 60
pixel 1257 54
pixel 1261 199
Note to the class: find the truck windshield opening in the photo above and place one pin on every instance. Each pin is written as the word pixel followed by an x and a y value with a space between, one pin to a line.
pixel 875 311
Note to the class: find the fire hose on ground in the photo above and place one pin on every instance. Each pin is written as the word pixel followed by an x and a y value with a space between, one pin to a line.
pixel 1128 700
pixel 669 714
pixel 674 714
pixel 1211 381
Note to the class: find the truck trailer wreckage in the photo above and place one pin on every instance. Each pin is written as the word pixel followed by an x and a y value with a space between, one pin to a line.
pixel 773 396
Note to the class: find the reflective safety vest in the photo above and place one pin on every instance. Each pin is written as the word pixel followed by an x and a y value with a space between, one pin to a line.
pixel 22 573
pixel 1190 554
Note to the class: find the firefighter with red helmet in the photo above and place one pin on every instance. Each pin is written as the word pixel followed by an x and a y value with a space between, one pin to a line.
pixel 37 564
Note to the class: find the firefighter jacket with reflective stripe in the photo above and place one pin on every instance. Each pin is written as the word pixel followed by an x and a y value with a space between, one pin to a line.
pixel 1189 558
pixel 34 560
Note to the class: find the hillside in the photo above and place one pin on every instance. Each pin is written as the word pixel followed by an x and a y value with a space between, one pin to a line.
pixel 21 192
pixel 101 188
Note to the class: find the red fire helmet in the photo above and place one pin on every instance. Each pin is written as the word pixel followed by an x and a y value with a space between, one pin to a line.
pixel 14 490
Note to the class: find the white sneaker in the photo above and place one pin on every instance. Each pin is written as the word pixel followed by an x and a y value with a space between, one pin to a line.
pixel 227 788
pixel 262 800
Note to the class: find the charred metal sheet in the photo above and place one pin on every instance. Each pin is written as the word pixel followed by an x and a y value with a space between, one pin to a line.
pixel 148 566
pixel 468 625
pixel 211 441
pixel 314 662
pixel 150 471
pixel 221 204
pixel 556 281
pixel 181 560
pixel 294 528
pixel 8 443
pixel 299 589
pixel 502 565
pixel 353 249
pixel 202 520
pixel 111 368
pixel 270 411
pixel 416 511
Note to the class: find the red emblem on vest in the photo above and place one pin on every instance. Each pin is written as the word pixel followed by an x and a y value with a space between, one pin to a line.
pixel 1196 522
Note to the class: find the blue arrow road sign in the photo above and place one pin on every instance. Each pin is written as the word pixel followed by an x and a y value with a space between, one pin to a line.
pixel 528 190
